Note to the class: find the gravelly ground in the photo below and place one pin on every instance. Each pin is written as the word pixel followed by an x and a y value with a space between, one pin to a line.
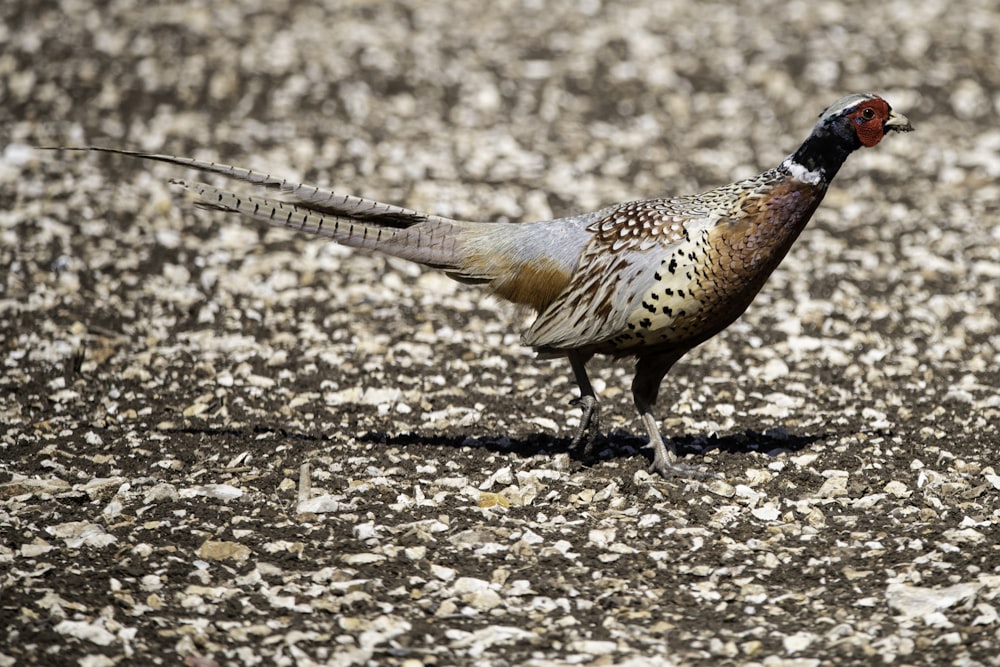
pixel 168 372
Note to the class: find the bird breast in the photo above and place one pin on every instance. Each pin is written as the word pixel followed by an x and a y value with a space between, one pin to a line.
pixel 706 281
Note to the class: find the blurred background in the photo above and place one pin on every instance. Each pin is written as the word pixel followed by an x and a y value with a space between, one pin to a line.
pixel 564 104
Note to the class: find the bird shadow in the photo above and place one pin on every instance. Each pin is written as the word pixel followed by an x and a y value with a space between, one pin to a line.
pixel 614 445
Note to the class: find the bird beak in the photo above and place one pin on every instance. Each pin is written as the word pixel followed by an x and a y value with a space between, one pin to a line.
pixel 898 122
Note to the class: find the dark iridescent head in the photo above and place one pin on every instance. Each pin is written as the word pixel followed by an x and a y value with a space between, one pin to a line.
pixel 866 116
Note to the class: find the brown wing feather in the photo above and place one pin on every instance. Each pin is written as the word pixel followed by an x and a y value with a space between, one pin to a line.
pixel 627 242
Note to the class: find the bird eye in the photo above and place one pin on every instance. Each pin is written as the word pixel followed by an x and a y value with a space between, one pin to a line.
pixel 868 113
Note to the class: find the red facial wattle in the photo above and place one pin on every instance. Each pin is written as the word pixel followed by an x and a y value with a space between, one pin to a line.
pixel 869 121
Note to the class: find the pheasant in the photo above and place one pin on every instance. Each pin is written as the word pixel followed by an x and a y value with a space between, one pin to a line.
pixel 648 279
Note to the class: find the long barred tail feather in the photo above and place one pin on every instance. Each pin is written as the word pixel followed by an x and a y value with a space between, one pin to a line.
pixel 432 240
pixel 433 243
pixel 307 196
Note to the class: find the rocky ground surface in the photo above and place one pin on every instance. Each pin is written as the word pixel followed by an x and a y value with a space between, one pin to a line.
pixel 226 445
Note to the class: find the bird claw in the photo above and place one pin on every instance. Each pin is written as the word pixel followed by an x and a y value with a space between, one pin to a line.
pixel 589 431
pixel 668 470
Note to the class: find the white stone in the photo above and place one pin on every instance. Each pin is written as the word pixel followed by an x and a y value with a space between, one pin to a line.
pixel 95 633
pixel 767 512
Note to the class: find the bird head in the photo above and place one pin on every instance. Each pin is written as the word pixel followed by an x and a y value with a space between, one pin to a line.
pixel 863 116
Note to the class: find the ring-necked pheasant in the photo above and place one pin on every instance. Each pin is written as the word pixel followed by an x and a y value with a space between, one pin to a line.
pixel 649 279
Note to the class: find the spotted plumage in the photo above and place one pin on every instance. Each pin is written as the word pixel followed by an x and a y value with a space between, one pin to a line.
pixel 650 279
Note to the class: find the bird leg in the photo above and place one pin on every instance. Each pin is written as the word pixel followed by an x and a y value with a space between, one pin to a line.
pixel 590 420
pixel 645 388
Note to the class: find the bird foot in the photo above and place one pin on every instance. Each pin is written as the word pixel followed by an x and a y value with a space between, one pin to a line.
pixel 676 470
pixel 665 464
pixel 590 429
